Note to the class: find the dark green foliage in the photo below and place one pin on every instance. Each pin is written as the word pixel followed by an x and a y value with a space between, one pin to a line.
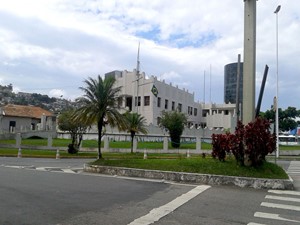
pixel 174 121
pixel 134 124
pixel 67 123
pixel 249 144
pixel 286 117
pixel 99 105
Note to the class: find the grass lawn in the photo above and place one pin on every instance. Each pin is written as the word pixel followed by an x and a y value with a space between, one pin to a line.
pixel 165 162
pixel 197 164
pixel 94 144
pixel 13 152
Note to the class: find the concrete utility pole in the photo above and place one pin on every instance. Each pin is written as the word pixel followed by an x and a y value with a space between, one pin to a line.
pixel 249 61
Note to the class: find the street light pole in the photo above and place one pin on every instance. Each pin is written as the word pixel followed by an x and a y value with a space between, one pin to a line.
pixel 277 113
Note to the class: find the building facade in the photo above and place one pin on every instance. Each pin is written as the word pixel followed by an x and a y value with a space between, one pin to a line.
pixel 149 96
pixel 19 118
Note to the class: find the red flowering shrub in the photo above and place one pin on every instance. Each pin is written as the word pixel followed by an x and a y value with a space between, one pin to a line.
pixel 258 140
pixel 249 144
pixel 221 144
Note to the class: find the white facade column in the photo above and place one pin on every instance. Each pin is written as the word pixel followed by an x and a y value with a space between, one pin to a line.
pixel 198 143
pixel 165 143
pixel 106 144
pixel 18 140
pixel 249 61
pixel 50 140
pixel 134 144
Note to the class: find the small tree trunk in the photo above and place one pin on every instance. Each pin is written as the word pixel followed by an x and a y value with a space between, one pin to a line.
pixel 99 139
pixel 132 137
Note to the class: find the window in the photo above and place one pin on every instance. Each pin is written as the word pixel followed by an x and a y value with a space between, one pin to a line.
pixel 138 101
pixel 120 101
pixel 179 107
pixel 173 106
pixel 158 121
pixel 190 110
pixel 166 103
pixel 146 100
pixel 195 112
pixel 158 101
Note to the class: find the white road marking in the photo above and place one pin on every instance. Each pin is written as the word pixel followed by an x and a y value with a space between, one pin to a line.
pixel 157 213
pixel 41 168
pixel 284 192
pixel 273 216
pixel 68 171
pixel 255 224
pixel 283 198
pixel 280 206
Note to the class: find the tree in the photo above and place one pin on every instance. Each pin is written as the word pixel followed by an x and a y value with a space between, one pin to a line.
pixel 286 117
pixel 174 121
pixel 134 124
pixel 99 105
pixel 75 129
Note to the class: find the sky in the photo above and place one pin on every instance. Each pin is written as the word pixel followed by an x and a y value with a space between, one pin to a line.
pixel 52 46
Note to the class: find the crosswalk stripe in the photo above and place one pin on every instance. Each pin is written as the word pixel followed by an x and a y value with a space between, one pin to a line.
pixel 284 192
pixel 68 171
pixel 157 213
pixel 280 206
pixel 273 216
pixel 283 198
pixel 255 224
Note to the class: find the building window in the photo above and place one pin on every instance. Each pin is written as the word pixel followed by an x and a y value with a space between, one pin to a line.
pixel 158 101
pixel 173 106
pixel 205 113
pixel 195 112
pixel 190 110
pixel 158 121
pixel 138 101
pixel 166 103
pixel 179 107
pixel 146 100
pixel 120 101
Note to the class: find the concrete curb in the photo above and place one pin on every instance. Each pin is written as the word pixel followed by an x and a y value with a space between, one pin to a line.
pixel 194 178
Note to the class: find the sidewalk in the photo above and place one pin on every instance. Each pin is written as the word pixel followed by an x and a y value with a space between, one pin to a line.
pixel 293 170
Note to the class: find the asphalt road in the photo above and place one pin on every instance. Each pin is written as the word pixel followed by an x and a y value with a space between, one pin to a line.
pixel 48 191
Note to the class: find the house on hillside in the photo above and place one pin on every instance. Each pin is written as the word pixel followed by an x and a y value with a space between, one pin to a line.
pixel 19 118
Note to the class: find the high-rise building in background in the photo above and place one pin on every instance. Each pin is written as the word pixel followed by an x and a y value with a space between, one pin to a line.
pixel 230 83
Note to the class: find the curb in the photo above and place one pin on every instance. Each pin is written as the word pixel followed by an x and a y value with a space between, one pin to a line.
pixel 194 178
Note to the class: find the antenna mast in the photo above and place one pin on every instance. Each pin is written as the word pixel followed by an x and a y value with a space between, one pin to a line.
pixel 137 79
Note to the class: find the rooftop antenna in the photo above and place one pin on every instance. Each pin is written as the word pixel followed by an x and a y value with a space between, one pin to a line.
pixel 204 89
pixel 210 83
pixel 137 79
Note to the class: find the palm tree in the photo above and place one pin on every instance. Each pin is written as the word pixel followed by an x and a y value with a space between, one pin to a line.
pixel 99 105
pixel 174 121
pixel 134 124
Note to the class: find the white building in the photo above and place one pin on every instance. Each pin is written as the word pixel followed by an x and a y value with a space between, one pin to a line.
pixel 149 97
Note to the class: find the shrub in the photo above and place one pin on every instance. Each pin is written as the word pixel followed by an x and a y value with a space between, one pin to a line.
pixel 221 144
pixel 249 144
pixel 258 141
pixel 72 149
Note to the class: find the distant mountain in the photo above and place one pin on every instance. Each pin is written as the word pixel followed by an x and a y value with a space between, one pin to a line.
pixel 7 96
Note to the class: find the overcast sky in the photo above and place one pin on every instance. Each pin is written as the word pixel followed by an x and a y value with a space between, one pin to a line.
pixel 51 46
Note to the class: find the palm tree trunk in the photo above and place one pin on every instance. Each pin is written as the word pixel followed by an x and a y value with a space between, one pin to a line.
pixel 99 139
pixel 132 137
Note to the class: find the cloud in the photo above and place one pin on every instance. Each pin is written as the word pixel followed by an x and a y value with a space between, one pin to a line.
pixel 56 44
pixel 58 93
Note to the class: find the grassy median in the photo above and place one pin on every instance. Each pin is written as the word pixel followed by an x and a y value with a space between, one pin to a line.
pixel 196 164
